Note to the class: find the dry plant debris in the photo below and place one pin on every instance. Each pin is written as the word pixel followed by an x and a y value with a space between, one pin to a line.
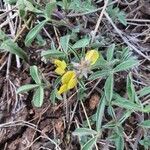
pixel 74 74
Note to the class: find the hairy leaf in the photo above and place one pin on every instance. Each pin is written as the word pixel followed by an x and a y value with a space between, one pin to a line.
pixel 35 74
pixel 10 46
pixel 26 88
pixel 38 97
pixel 84 131
pixel 34 32
pixel 89 145
pixel 108 88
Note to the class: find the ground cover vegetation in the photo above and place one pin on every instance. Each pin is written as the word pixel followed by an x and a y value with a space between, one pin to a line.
pixel 74 74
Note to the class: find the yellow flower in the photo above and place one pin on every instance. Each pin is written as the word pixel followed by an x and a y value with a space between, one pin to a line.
pixel 61 66
pixel 92 56
pixel 69 81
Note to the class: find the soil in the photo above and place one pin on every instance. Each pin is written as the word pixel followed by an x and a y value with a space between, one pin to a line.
pixel 27 128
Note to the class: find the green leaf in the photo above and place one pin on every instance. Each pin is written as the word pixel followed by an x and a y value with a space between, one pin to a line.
pixel 29 6
pixel 116 14
pixel 145 124
pixel 110 52
pixel 21 5
pixel 26 88
pixel 130 87
pixel 54 95
pixel 119 142
pixel 52 53
pixel 81 43
pixel 10 46
pixel 2 35
pixel 84 131
pixel 33 33
pixel 128 64
pixel 100 63
pixel 126 54
pixel 11 2
pixel 40 41
pixel 108 88
pixel 81 6
pixel 122 18
pixel 38 97
pixel 22 8
pixel 145 142
pixel 100 113
pixel 89 145
pixel 22 13
pixel 74 52
pixel 81 84
pixel 65 4
pixel 99 74
pixel 144 91
pixel 49 9
pixel 131 90
pixel 124 103
pixel 111 111
pixel 64 41
pixel 81 94
pixel 35 74
pixel 126 115
pixel 146 109
pixel 110 125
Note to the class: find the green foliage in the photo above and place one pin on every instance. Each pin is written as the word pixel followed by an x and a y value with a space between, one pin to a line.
pixel 3 36
pixel 113 65
pixel 35 74
pixel 11 2
pixel 108 87
pixel 54 96
pixel 145 91
pixel 130 63
pixel 127 104
pixel 89 145
pixel 52 54
pixel 34 32
pixel 49 9
pixel 26 88
pixel 116 14
pixel 7 44
pixel 131 90
pixel 84 131
pixel 99 74
pixel 64 41
pixel 100 113
pixel 40 41
pixel 145 124
pixel 145 142
pixel 12 47
pixel 38 87
pixel 119 142
pixel 38 97
pixel 81 43
pixel 77 5
pixel 110 53
pixel 71 48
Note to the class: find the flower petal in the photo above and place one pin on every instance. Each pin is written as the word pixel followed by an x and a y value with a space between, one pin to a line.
pixel 63 89
pixel 72 83
pixel 92 56
pixel 68 76
pixel 59 71
pixel 57 62
pixel 62 64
